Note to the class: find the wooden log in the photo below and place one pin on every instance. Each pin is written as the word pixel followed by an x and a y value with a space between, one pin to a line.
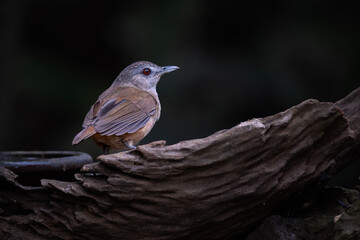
pixel 209 188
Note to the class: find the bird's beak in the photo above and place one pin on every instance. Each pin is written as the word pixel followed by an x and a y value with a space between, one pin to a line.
pixel 167 69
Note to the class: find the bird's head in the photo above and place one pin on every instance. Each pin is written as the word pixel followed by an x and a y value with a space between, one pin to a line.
pixel 143 74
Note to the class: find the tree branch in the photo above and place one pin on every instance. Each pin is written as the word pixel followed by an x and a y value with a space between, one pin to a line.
pixel 208 188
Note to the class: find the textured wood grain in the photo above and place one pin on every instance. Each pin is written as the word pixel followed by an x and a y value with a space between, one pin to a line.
pixel 208 188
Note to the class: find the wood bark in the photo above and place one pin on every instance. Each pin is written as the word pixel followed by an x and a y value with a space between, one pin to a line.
pixel 209 188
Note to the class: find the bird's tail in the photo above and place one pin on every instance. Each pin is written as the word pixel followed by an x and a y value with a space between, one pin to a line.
pixel 84 134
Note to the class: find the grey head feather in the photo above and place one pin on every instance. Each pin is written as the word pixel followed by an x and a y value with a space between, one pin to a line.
pixel 134 75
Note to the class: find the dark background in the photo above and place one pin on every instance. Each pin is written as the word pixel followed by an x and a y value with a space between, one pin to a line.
pixel 238 60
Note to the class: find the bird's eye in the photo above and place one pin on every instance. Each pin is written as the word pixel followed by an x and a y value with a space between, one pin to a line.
pixel 146 71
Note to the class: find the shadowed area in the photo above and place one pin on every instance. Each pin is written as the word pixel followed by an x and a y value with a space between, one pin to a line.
pixel 237 63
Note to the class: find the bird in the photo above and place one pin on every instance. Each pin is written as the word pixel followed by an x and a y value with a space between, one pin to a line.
pixel 127 111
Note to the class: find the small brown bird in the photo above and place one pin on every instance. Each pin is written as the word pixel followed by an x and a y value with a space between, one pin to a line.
pixel 127 111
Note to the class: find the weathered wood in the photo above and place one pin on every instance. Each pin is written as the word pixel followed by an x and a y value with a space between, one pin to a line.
pixel 207 188
pixel 323 217
pixel 350 106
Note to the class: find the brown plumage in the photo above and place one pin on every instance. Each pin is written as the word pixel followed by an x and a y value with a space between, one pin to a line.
pixel 127 111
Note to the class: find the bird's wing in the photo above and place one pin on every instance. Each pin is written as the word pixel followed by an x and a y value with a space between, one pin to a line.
pixel 122 114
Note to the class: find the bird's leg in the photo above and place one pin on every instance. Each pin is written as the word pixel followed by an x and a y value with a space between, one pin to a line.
pixel 106 149
pixel 129 144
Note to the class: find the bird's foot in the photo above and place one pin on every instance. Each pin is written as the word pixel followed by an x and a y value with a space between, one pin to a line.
pixel 129 144
pixel 106 149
